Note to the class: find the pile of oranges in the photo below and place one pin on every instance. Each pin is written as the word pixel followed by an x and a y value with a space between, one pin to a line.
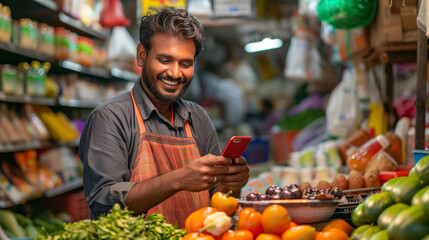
pixel 273 223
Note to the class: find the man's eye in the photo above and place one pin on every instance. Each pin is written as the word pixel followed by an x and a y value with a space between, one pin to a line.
pixel 163 60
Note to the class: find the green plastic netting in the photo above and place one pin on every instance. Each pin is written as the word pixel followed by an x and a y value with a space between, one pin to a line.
pixel 346 14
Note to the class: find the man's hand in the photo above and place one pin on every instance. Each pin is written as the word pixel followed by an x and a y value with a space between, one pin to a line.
pixel 205 172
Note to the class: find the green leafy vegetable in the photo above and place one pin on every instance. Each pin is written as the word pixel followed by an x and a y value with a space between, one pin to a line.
pixel 118 224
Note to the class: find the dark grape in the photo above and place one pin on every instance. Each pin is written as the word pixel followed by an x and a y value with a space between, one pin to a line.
pixel 275 197
pixel 286 194
pixel 338 194
pixel 270 190
pixel 252 197
pixel 277 191
pixel 292 186
pixel 263 197
pixel 296 192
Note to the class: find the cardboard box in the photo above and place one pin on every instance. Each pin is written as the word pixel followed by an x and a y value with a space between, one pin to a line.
pixel 409 18
pixel 410 36
pixel 386 15
pixel 386 34
pixel 358 41
pixel 401 3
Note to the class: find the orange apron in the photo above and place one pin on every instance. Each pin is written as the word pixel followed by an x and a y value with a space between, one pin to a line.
pixel 160 154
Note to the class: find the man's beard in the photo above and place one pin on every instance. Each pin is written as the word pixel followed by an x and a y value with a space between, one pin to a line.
pixel 151 85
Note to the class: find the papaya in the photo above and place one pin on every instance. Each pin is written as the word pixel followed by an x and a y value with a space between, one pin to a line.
pixel 368 233
pixel 425 201
pixel 412 172
pixel 388 215
pixel 411 223
pixel 375 204
pixel 404 190
pixel 381 235
pixel 387 186
pixel 358 218
pixel 422 169
pixel 358 232
pixel 417 198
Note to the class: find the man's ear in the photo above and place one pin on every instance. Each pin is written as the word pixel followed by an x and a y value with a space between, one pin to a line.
pixel 141 55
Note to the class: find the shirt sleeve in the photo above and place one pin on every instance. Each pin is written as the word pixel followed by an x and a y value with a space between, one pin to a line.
pixel 208 141
pixel 103 151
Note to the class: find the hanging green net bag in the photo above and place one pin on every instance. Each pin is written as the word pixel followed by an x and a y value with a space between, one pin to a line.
pixel 347 14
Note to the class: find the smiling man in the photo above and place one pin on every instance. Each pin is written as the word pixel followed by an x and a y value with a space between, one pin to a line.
pixel 148 149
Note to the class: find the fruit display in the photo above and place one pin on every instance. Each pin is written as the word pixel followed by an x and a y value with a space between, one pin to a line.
pixel 399 211
pixel 322 192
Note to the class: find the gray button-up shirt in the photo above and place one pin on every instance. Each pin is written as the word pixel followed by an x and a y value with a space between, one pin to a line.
pixel 110 138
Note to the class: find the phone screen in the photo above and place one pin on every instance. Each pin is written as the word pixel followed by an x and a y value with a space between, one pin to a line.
pixel 236 146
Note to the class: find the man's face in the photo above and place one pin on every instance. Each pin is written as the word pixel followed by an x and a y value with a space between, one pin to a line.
pixel 168 69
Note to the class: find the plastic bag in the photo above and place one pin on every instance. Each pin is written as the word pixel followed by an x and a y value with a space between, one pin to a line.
pixel 121 45
pixel 347 14
pixel 343 112
pixel 303 61
pixel 422 19
pixel 112 14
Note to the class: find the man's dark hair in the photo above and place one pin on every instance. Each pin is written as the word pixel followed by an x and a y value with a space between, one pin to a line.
pixel 175 22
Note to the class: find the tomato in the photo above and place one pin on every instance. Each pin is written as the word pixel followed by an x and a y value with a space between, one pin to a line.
pixel 301 232
pixel 198 236
pixel 275 219
pixel 268 236
pixel 239 234
pixel 332 234
pixel 341 224
pixel 249 219
pixel 224 202
pixel 195 220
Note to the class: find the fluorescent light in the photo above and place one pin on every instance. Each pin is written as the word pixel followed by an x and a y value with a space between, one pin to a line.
pixel 265 44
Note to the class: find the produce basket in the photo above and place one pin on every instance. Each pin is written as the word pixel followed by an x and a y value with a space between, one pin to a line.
pixel 300 210
pixel 351 199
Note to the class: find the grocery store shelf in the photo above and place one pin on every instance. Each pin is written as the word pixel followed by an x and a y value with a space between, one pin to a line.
pixel 47 11
pixel 93 71
pixel 77 103
pixel 122 74
pixel 28 99
pixel 16 147
pixel 78 27
pixel 9 48
pixel 66 187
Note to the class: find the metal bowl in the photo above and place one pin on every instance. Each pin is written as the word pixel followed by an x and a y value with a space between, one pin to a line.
pixel 300 210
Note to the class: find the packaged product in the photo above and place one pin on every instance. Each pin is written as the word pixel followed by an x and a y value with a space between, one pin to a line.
pixel 62 42
pixel 16 177
pixel 28 33
pixel 5 24
pixel 11 191
pixel 85 51
pixel 13 137
pixel 21 78
pixel 359 160
pixel 17 125
pixel 46 39
pixel 8 79
pixel 41 130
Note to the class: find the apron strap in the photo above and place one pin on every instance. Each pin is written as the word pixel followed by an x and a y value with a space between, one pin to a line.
pixel 141 122
pixel 138 115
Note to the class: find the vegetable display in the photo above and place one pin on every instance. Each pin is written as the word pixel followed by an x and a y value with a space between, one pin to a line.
pixel 118 224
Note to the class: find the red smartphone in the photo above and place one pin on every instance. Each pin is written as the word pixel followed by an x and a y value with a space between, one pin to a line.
pixel 236 146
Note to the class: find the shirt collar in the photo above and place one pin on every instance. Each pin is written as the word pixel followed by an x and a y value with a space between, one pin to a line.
pixel 147 108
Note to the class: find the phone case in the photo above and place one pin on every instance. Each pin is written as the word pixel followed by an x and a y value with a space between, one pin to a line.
pixel 236 146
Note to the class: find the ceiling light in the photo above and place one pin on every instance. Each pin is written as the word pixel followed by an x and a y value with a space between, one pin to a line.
pixel 265 44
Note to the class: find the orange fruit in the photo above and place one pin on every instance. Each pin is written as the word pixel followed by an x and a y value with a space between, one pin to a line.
pixel 268 236
pixel 301 232
pixel 292 224
pixel 340 224
pixel 275 219
pixel 332 234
